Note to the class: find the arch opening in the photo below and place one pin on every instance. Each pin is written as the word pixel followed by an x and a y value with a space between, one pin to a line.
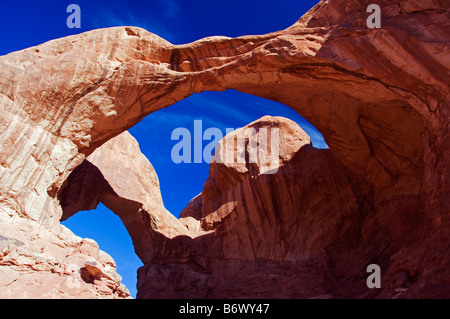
pixel 225 111
pixel 106 228
pixel 90 196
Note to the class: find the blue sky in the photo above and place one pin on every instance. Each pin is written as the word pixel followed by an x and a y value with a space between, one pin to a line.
pixel 28 23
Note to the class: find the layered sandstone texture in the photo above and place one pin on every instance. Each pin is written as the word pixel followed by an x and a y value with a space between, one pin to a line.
pixel 379 195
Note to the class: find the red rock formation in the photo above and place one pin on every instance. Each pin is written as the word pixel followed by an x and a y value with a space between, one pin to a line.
pixel 265 235
pixel 37 262
pixel 379 96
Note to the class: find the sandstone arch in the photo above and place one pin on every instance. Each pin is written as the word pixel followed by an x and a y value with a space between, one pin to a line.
pixel 383 112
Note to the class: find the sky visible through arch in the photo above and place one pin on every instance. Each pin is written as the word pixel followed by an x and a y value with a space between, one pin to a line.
pixel 29 23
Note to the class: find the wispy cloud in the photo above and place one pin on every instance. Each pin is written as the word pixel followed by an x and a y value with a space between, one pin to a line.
pixel 170 8
pixel 235 109
pixel 221 110
pixel 120 14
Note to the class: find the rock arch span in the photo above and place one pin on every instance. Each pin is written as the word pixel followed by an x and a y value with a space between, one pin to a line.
pixel 383 113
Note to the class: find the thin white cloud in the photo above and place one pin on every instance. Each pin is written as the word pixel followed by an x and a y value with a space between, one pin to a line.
pixel 171 9
pixel 120 14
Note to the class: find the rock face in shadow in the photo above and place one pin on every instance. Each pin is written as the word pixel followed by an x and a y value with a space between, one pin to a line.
pixel 121 177
pixel 379 97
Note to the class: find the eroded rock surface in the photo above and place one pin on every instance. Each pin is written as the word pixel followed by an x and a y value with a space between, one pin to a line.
pixel 36 263
pixel 379 96
pixel 121 177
